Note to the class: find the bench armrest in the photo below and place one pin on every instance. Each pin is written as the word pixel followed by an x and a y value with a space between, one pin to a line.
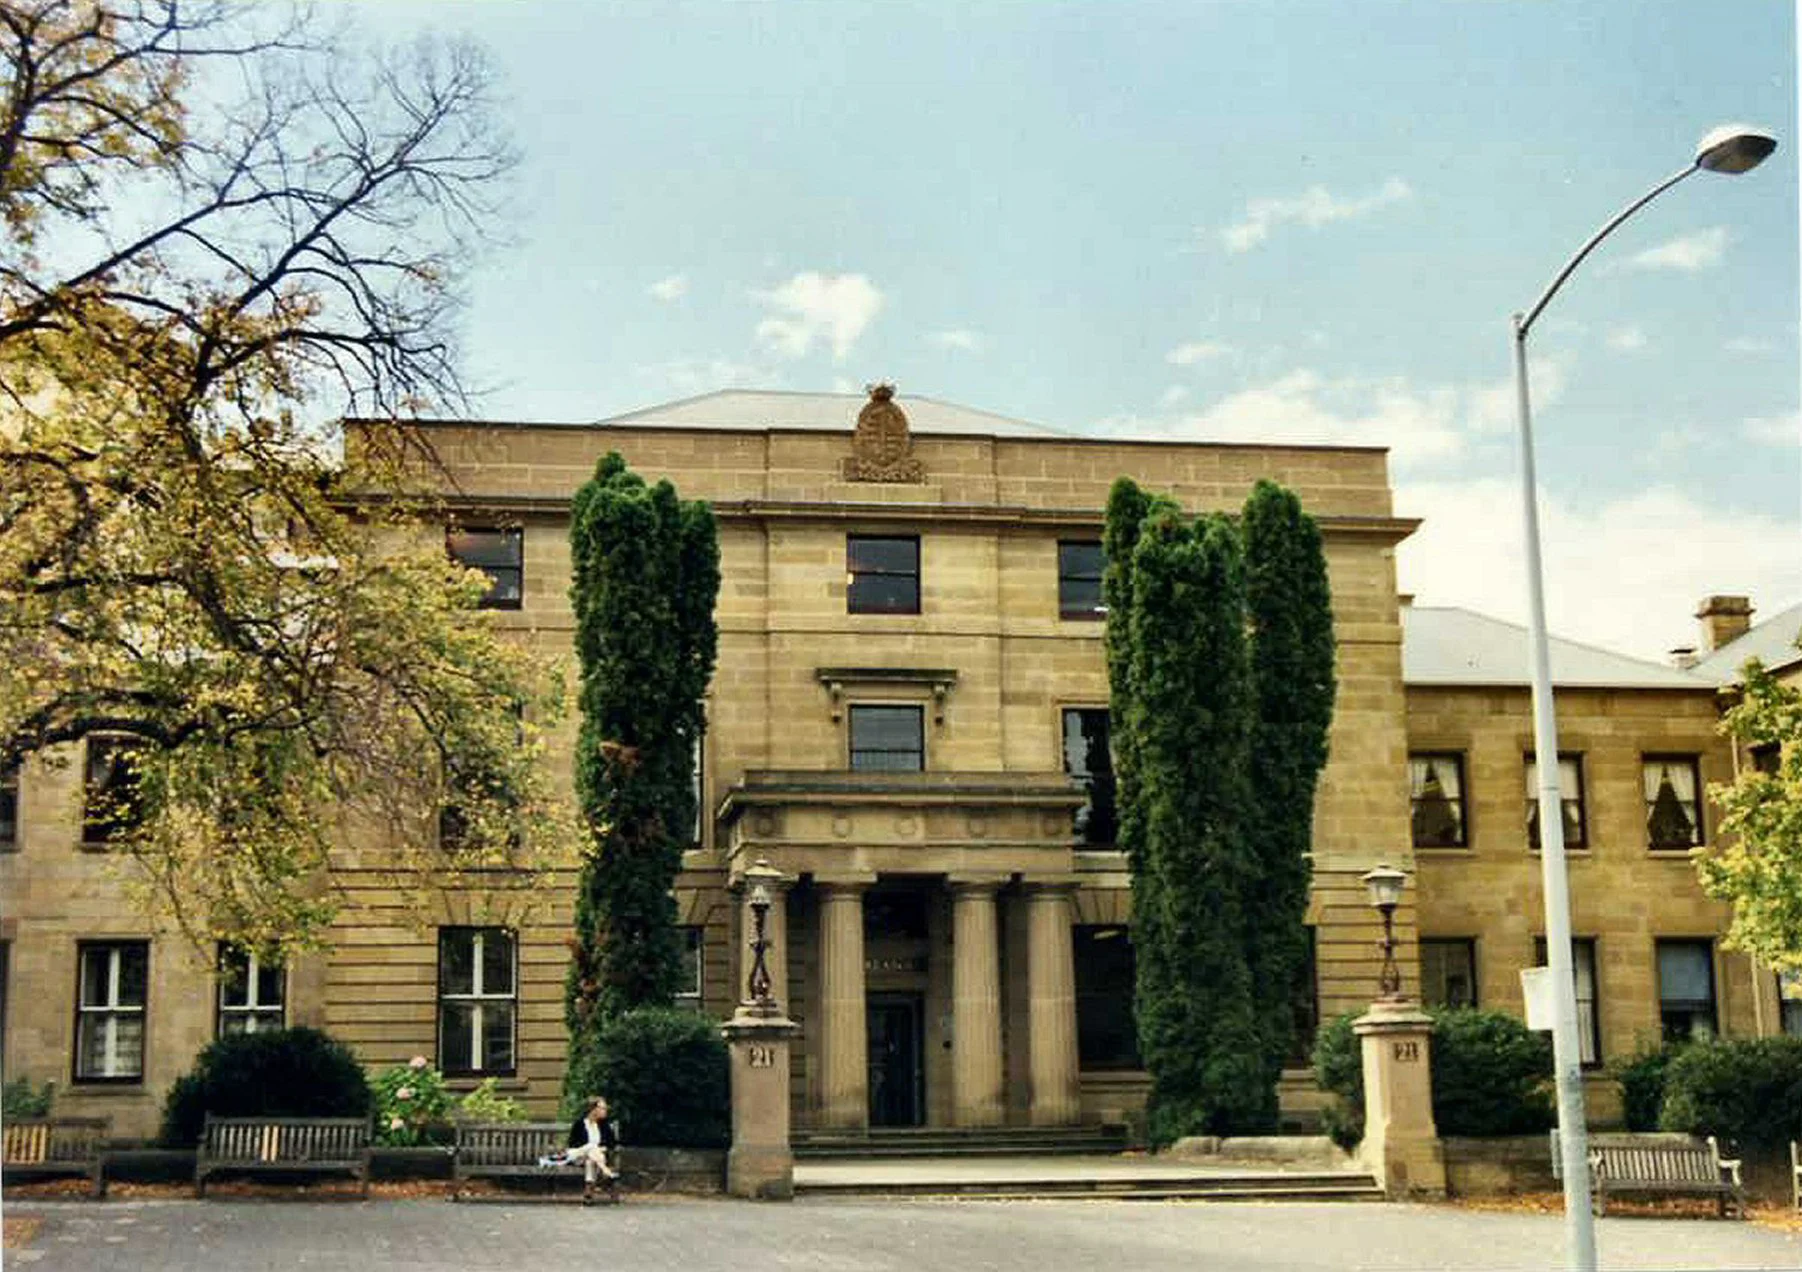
pixel 1730 1171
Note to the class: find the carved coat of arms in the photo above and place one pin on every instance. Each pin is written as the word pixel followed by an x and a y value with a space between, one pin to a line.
pixel 882 448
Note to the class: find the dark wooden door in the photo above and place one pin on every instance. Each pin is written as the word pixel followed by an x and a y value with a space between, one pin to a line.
pixel 895 1060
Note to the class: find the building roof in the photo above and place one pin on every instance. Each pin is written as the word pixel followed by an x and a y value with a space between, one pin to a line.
pixel 1448 646
pixel 756 409
pixel 1772 642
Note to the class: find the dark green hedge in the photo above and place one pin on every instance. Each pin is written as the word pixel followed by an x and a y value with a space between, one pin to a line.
pixel 1747 1092
pixel 1491 1075
pixel 1641 1077
pixel 297 1072
pixel 664 1073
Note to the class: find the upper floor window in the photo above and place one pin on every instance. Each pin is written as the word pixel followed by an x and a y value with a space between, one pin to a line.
pixel 1079 567
pixel 1448 972
pixel 1089 759
pixel 883 575
pixel 1436 797
pixel 1673 814
pixel 1686 989
pixel 888 739
pixel 477 1000
pixel 111 989
pixel 1570 793
pixel 250 992
pixel 9 807
pixel 110 804
pixel 1767 757
pixel 500 554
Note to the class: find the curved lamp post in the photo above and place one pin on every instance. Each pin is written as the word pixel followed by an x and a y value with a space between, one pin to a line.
pixel 1731 149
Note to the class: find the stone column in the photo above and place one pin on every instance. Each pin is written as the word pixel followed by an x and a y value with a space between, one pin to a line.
pixel 975 1006
pixel 844 1040
pixel 775 931
pixel 1051 1006
pixel 1401 1144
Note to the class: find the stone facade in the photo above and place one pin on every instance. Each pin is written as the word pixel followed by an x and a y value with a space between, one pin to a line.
pixel 930 912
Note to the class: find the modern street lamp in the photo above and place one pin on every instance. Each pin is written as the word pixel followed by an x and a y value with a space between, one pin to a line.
pixel 1731 149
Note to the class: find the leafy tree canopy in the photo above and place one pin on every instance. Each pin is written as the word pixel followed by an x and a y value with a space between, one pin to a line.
pixel 223 228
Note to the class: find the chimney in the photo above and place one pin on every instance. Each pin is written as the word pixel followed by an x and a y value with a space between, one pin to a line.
pixel 1683 657
pixel 1724 618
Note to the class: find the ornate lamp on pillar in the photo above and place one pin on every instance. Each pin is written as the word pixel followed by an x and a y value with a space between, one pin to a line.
pixel 1401 1144
pixel 761 1162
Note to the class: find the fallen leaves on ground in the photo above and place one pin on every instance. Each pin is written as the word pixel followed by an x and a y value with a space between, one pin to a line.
pixel 19 1231
pixel 1765 1214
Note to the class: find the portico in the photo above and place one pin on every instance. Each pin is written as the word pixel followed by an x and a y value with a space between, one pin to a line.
pixel 930 912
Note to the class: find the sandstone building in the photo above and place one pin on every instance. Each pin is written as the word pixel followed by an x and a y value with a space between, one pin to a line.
pixel 909 720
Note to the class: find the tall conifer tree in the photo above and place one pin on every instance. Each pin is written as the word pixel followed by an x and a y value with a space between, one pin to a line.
pixel 1289 611
pixel 646 576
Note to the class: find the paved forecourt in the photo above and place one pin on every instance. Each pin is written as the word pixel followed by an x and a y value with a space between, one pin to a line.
pixel 701 1235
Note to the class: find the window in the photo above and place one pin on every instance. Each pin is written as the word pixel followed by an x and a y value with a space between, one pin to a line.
pixel 1089 759
pixel 1789 1002
pixel 9 808
pixel 1106 1037
pixel 110 789
pixel 1686 989
pixel 112 981
pixel 1767 758
pixel 1448 972
pixel 699 778
pixel 1589 1016
pixel 476 1000
pixel 888 739
pixel 884 575
pixel 1570 791
pixel 693 965
pixel 250 993
pixel 500 554
pixel 1673 816
pixel 1079 567
pixel 1436 796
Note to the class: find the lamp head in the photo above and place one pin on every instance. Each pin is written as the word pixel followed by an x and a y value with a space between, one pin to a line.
pixel 1734 148
pixel 1385 885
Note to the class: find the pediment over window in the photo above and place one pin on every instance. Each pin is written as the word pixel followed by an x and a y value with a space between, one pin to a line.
pixel 936 682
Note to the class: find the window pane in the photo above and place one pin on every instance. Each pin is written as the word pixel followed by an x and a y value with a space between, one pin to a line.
pixel 691 963
pixel 1079 597
pixel 1088 757
pixel 456 962
pixel 1080 560
pixel 1448 972
pixel 234 977
pixel 9 806
pixel 497 1035
pixel 456 1037
pixel 1106 1037
pixel 1683 972
pixel 134 970
pixel 886 728
pixel 96 976
pixel 1436 791
pixel 1570 793
pixel 882 556
pixel 1789 998
pixel 497 961
pixel 1079 567
pixel 886 761
pixel 1672 819
pixel 1583 973
pixel 110 789
pixel 486 548
pixel 90 1046
pixel 269 986
pixel 884 594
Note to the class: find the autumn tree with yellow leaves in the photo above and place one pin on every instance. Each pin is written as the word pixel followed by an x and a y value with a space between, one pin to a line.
pixel 221 237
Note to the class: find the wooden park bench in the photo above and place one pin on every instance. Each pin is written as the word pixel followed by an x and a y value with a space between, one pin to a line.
pixel 512 1150
pixel 1661 1164
pixel 315 1145
pixel 58 1146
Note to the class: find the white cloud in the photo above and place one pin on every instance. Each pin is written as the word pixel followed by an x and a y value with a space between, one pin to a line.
pixel 667 289
pixel 1187 355
pixel 1172 395
pixel 687 376
pixel 1313 208
pixel 830 308
pixel 1689 253
pixel 1626 339
pixel 1775 430
pixel 958 338
pixel 1624 573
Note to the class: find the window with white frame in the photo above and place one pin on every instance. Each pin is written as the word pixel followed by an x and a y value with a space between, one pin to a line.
pixel 688 992
pixel 1570 793
pixel 251 992
pixel 1673 812
pixel 477 1000
pixel 112 985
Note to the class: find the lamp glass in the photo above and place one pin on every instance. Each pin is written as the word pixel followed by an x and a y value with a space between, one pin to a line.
pixel 1734 148
pixel 1385 886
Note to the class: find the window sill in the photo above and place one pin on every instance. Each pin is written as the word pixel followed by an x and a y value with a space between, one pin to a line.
pixel 112 1088
pixel 1456 850
pixel 1674 853
pixel 512 1085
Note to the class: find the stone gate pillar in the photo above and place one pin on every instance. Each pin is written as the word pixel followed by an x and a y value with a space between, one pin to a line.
pixel 1401 1144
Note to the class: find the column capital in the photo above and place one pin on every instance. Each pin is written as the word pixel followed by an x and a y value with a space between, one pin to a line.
pixel 976 885
pixel 844 884
pixel 1050 886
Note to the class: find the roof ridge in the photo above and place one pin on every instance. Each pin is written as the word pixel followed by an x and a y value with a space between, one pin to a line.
pixel 1586 646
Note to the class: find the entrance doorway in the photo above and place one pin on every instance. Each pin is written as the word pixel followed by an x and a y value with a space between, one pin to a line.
pixel 896 1060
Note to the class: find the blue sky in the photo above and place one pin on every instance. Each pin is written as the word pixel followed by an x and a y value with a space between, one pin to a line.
pixel 1274 221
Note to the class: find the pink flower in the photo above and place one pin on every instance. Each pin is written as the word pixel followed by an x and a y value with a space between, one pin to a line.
pixel 417 1062
pixel 405 1093
pixel 396 1124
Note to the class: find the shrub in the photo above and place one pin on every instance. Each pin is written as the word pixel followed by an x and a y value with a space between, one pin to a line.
pixel 485 1103
pixel 1642 1077
pixel 409 1099
pixel 19 1099
pixel 1489 1076
pixel 1747 1092
pixel 664 1073
pixel 296 1072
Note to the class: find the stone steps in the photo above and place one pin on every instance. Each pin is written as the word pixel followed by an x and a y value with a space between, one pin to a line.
pixel 890 1142
pixel 1291 1186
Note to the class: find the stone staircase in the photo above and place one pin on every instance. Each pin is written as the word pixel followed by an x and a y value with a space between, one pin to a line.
pixel 957 1142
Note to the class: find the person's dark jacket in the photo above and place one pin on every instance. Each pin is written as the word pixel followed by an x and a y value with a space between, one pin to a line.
pixel 578 1133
